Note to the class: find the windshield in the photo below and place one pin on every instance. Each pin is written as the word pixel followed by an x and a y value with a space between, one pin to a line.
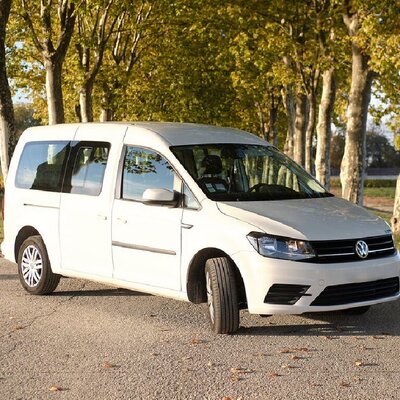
pixel 240 172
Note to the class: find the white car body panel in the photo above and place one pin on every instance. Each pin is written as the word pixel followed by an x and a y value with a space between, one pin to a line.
pixel 85 221
pixel 291 218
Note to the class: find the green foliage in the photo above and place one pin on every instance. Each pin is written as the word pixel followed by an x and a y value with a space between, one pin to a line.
pixel 224 63
pixel 371 183
pixel 387 192
pixel 24 117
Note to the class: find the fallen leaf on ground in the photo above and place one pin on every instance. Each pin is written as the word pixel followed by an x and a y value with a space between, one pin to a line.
pixel 304 349
pixel 285 351
pixel 210 364
pixel 55 389
pixel 108 365
pixel 240 370
pixel 294 357
pixel 287 366
pixel 274 375
pixel 19 327
pixel 359 363
pixel 344 384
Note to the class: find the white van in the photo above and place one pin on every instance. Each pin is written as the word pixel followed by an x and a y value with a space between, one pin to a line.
pixel 191 212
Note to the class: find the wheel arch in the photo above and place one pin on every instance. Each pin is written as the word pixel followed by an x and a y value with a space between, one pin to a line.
pixel 23 234
pixel 196 281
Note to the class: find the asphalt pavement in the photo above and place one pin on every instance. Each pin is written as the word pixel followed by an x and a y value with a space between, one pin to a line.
pixel 88 341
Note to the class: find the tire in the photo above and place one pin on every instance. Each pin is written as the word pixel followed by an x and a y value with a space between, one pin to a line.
pixel 34 268
pixel 357 310
pixel 222 298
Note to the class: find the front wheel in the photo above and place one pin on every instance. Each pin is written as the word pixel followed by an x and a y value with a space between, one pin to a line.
pixel 34 268
pixel 222 298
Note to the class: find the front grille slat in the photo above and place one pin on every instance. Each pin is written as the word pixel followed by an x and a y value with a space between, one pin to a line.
pixel 330 251
pixel 357 292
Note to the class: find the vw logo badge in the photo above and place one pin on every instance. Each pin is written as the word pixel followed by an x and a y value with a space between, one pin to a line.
pixel 362 249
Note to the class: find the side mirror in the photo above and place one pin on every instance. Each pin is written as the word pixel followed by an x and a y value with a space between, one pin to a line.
pixel 160 197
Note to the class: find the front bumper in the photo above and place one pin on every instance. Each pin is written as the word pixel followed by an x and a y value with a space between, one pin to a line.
pixel 260 273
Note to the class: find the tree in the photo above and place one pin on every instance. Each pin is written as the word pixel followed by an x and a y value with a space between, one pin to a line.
pixel 134 35
pixel 7 123
pixel 24 117
pixel 50 28
pixel 94 30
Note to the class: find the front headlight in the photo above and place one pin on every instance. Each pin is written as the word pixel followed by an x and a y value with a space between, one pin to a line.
pixel 279 247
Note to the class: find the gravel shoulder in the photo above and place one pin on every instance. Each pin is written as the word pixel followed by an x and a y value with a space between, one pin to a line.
pixel 88 341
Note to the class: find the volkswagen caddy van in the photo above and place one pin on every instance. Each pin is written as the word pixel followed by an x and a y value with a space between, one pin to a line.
pixel 191 212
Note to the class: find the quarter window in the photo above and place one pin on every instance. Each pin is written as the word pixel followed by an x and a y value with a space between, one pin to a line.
pixel 88 163
pixel 145 169
pixel 41 165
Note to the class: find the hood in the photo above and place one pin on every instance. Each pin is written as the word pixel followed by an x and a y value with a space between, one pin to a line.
pixel 327 218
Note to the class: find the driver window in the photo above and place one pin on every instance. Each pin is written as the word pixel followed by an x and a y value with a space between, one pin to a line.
pixel 145 169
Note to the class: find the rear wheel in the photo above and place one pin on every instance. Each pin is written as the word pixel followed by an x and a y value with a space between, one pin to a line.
pixel 222 296
pixel 34 268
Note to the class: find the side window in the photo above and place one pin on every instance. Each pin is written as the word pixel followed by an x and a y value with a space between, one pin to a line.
pixel 41 165
pixel 189 201
pixel 86 167
pixel 144 169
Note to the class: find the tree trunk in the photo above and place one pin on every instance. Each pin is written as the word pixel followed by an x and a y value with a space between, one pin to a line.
pixel 353 162
pixel 300 128
pixel 396 209
pixel 324 131
pixel 261 121
pixel 289 104
pixel 312 110
pixel 86 102
pixel 54 94
pixel 272 132
pixel 7 123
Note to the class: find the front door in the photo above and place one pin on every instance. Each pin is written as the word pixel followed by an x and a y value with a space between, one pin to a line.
pixel 86 200
pixel 146 239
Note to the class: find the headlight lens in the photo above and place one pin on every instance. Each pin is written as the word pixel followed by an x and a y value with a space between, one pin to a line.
pixel 278 247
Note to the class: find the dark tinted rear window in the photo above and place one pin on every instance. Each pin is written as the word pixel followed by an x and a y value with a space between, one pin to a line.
pixel 41 165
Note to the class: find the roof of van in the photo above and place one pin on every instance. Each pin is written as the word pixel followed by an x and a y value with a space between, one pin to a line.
pixel 179 133
pixel 186 133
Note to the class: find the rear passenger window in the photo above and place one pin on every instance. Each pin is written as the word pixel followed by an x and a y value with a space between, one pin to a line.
pixel 86 168
pixel 41 166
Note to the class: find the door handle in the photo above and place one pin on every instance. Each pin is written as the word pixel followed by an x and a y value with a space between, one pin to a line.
pixel 186 226
pixel 122 220
pixel 102 216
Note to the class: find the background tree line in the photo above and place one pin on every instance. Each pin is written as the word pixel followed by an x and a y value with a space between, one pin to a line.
pixel 286 70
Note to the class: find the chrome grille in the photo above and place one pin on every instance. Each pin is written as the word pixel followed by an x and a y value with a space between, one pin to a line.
pixel 331 251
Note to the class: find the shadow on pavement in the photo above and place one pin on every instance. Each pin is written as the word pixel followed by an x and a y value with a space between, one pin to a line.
pixel 381 321
pixel 98 292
